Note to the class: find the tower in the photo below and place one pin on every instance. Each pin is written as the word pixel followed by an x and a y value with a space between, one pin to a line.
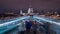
pixel 30 10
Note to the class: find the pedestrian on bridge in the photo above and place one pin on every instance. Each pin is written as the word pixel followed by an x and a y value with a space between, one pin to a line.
pixel 22 28
pixel 28 26
pixel 34 27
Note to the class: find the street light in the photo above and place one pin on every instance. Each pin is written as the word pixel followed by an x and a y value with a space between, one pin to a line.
pixel 58 15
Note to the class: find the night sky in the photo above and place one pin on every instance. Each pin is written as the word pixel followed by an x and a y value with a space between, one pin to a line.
pixel 40 4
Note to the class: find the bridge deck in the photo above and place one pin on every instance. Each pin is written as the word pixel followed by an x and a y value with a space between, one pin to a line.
pixel 16 31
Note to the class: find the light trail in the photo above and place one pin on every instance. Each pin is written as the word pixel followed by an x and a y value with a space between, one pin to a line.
pixel 39 21
pixel 50 19
pixel 6 23
pixel 47 20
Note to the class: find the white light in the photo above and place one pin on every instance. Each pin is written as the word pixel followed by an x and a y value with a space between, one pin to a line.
pixel 57 14
pixel 48 12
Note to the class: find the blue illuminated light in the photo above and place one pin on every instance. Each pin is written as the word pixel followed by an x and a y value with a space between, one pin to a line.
pixel 47 20
pixel 13 21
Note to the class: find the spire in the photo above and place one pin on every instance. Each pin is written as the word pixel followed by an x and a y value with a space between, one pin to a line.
pixel 21 12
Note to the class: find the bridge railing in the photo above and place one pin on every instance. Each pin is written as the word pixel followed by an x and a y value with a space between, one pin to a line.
pixel 54 26
pixel 11 24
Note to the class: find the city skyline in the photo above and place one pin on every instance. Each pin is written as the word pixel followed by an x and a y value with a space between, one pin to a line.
pixel 25 4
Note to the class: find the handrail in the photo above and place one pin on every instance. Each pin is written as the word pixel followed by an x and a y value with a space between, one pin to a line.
pixel 58 23
pixel 21 18
pixel 11 24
